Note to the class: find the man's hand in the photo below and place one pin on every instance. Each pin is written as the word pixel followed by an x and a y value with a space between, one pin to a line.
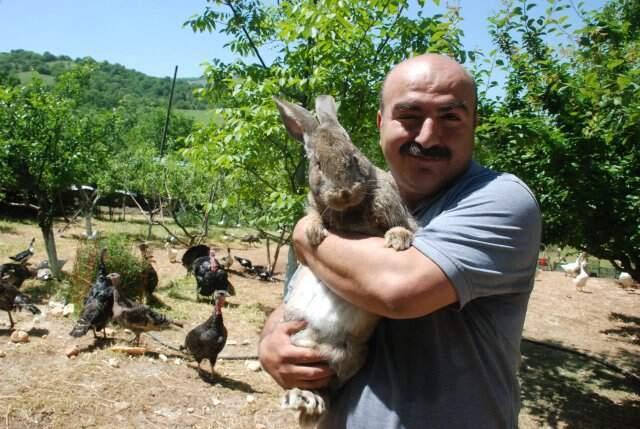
pixel 289 365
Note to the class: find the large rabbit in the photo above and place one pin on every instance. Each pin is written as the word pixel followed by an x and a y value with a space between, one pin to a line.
pixel 347 193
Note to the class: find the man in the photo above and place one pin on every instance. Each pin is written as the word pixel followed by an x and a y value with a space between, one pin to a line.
pixel 446 352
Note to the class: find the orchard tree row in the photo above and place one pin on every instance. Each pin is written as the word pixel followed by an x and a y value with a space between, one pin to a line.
pixel 564 116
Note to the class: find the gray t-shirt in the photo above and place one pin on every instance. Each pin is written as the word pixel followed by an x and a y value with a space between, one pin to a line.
pixel 456 368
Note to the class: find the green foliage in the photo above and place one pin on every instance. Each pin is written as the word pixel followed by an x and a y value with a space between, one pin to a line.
pixel 108 84
pixel 318 47
pixel 46 142
pixel 59 135
pixel 140 124
pixel 570 123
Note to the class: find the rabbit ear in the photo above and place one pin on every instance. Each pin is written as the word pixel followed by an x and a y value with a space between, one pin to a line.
pixel 298 121
pixel 326 109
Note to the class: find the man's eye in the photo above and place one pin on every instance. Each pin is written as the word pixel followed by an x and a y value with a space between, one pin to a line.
pixel 409 119
pixel 450 117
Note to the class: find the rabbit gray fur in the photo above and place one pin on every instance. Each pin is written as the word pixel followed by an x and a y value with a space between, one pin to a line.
pixel 347 193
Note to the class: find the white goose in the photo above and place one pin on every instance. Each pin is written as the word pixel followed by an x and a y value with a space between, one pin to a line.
pixel 625 279
pixel 171 253
pixel 581 279
pixel 573 268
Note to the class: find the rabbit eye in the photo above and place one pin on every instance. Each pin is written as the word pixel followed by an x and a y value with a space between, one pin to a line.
pixel 355 164
pixel 361 166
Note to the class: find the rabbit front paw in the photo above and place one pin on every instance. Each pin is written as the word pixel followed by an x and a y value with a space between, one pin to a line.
pixel 315 233
pixel 398 237
pixel 310 405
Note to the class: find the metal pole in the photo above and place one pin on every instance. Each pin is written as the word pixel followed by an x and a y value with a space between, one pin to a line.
pixel 166 121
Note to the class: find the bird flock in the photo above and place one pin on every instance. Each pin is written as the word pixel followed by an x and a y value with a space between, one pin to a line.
pixel 578 271
pixel 105 302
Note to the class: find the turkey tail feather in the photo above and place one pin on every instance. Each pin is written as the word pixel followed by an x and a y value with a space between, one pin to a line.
pixel 80 328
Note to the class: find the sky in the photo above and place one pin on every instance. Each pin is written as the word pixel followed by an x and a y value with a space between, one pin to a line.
pixel 148 36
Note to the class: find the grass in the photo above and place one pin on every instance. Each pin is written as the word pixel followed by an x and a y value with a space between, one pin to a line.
pixel 28 76
pixel 202 117
pixel 181 289
pixel 7 228
pixel 255 314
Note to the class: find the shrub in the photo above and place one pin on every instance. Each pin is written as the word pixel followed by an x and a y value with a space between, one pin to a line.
pixel 119 258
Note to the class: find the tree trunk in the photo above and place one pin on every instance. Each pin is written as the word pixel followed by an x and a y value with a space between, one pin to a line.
pixel 45 221
pixel 150 225
pixel 87 223
pixel 269 254
pixel 88 205
pixel 52 253
pixel 280 243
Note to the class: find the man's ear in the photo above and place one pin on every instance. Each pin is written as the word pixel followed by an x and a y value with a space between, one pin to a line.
pixel 379 119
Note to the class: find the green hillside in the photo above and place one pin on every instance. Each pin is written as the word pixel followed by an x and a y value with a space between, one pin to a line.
pixel 109 82
pixel 28 76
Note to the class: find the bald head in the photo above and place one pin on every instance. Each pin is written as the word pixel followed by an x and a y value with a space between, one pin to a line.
pixel 441 69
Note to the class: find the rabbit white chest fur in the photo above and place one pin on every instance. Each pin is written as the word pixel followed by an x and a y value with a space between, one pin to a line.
pixel 332 321
pixel 347 193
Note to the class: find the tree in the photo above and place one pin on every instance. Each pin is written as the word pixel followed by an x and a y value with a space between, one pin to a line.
pixel 570 123
pixel 47 145
pixel 314 47
pixel 156 181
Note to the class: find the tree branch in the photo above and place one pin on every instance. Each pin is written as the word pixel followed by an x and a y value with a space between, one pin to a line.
pixel 247 35
pixel 30 205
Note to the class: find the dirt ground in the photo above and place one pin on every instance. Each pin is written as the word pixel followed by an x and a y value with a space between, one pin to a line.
pixel 580 354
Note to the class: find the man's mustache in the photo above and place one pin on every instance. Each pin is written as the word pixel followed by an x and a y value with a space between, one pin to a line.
pixel 414 149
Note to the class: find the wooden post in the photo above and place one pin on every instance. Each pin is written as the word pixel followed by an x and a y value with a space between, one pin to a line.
pixel 166 121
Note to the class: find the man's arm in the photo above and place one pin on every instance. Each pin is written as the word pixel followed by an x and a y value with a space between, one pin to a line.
pixel 290 366
pixel 393 284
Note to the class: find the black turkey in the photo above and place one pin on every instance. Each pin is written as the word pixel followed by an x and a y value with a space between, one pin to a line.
pixel 97 309
pixel 15 274
pixel 193 253
pixel 207 340
pixel 24 256
pixel 11 300
pixel 210 276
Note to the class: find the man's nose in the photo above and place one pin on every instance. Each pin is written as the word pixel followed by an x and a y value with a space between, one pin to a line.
pixel 428 135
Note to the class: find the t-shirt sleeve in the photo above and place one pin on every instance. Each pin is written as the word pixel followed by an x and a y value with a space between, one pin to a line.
pixel 486 241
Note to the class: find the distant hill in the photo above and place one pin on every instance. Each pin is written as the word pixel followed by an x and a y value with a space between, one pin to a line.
pixel 109 83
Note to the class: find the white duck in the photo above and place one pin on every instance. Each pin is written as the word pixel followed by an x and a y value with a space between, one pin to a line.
pixel 171 253
pixel 573 268
pixel 625 279
pixel 581 279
